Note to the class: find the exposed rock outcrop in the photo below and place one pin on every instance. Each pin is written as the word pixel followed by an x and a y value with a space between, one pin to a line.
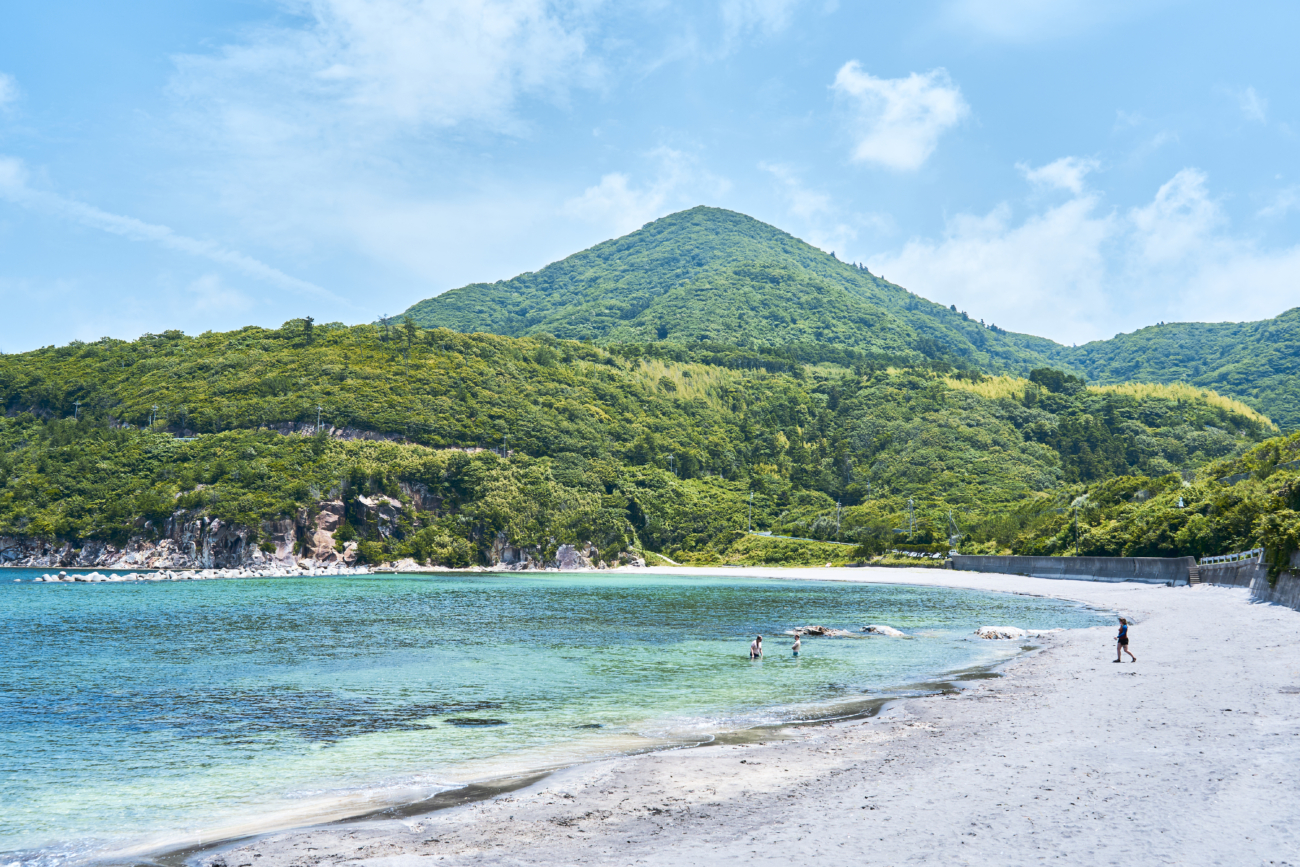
pixel 824 631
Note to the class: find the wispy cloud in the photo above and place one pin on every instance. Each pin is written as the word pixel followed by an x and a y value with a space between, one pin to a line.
pixel 765 17
pixel 897 122
pixel 1253 106
pixel 816 217
pixel 1284 202
pixel 8 90
pixel 15 188
pixel 1067 173
pixel 621 205
pixel 1077 270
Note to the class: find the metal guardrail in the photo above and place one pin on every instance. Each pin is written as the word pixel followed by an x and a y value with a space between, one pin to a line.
pixel 1252 554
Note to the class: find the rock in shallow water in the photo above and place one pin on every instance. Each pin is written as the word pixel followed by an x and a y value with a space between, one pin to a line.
pixel 878 629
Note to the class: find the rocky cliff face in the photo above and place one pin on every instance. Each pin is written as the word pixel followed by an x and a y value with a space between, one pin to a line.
pixel 190 541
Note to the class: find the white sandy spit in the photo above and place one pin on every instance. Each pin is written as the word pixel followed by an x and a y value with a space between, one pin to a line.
pixel 1189 756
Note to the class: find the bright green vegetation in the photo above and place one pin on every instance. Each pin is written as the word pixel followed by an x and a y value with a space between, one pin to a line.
pixel 1141 516
pixel 1258 362
pixel 715 277
pixel 624 451
pixel 709 282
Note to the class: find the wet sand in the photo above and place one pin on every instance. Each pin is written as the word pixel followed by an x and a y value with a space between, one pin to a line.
pixel 1189 756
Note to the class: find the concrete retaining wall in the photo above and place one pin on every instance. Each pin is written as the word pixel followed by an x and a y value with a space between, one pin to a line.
pixel 1148 570
pixel 1285 592
pixel 1241 574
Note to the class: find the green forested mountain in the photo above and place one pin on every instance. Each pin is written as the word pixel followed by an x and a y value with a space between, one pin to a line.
pixel 715 277
pixel 626 450
pixel 1257 362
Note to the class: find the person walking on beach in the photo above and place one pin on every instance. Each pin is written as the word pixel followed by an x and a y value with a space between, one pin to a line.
pixel 756 648
pixel 1122 646
pixel 795 646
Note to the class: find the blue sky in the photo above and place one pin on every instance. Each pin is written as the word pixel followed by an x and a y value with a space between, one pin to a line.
pixel 1070 169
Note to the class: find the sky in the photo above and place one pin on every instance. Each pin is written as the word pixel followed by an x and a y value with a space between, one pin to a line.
pixel 1067 168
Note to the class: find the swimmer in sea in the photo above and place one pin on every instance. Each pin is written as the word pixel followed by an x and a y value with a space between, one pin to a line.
pixel 795 646
pixel 756 648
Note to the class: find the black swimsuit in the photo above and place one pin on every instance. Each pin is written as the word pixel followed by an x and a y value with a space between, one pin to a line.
pixel 1123 635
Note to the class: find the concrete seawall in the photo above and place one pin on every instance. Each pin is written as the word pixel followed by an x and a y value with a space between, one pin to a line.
pixel 1254 574
pixel 1240 574
pixel 1147 570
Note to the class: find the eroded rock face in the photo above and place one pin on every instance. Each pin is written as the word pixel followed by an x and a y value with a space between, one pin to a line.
pixel 185 541
pixel 379 512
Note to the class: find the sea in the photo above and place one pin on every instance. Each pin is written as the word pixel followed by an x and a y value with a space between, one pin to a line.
pixel 143 718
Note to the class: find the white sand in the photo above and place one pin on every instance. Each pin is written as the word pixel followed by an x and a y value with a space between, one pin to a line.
pixel 1189 756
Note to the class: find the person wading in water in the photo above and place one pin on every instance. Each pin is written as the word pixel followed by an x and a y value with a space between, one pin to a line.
pixel 756 648
pixel 1122 646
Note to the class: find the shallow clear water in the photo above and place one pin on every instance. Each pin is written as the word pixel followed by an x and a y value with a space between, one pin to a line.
pixel 135 717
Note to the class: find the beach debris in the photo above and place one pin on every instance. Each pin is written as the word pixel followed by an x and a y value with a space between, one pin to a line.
pixel 880 629
pixel 824 631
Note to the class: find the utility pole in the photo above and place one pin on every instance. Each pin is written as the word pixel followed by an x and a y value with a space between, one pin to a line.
pixel 839 512
pixel 911 517
pixel 1076 531
pixel 671 467
pixel 751 512
pixel 76 409
pixel 318 418
pixel 153 416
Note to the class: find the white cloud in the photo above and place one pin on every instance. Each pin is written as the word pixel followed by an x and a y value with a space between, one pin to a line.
pixel 1253 106
pixel 1067 173
pixel 8 90
pixel 15 188
pixel 1075 270
pixel 375 67
pixel 622 206
pixel 898 121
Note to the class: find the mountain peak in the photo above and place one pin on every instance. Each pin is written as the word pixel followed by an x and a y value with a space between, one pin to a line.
pixel 718 276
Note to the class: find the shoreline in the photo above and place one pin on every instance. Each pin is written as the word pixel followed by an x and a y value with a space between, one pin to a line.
pixel 1065 754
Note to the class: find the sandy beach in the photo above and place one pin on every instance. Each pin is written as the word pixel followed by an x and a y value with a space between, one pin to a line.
pixel 1189 756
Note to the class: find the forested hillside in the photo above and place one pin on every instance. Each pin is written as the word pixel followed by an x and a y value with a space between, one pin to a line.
pixel 1258 362
pixel 715 276
pixel 1230 505
pixel 710 276
pixel 622 448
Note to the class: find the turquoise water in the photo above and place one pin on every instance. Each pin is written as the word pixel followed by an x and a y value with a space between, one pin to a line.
pixel 140 717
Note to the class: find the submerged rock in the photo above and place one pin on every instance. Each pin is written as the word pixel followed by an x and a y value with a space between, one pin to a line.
pixel 878 629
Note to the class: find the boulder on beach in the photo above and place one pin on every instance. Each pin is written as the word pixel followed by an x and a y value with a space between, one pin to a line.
pixel 879 629
pixel 1000 632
